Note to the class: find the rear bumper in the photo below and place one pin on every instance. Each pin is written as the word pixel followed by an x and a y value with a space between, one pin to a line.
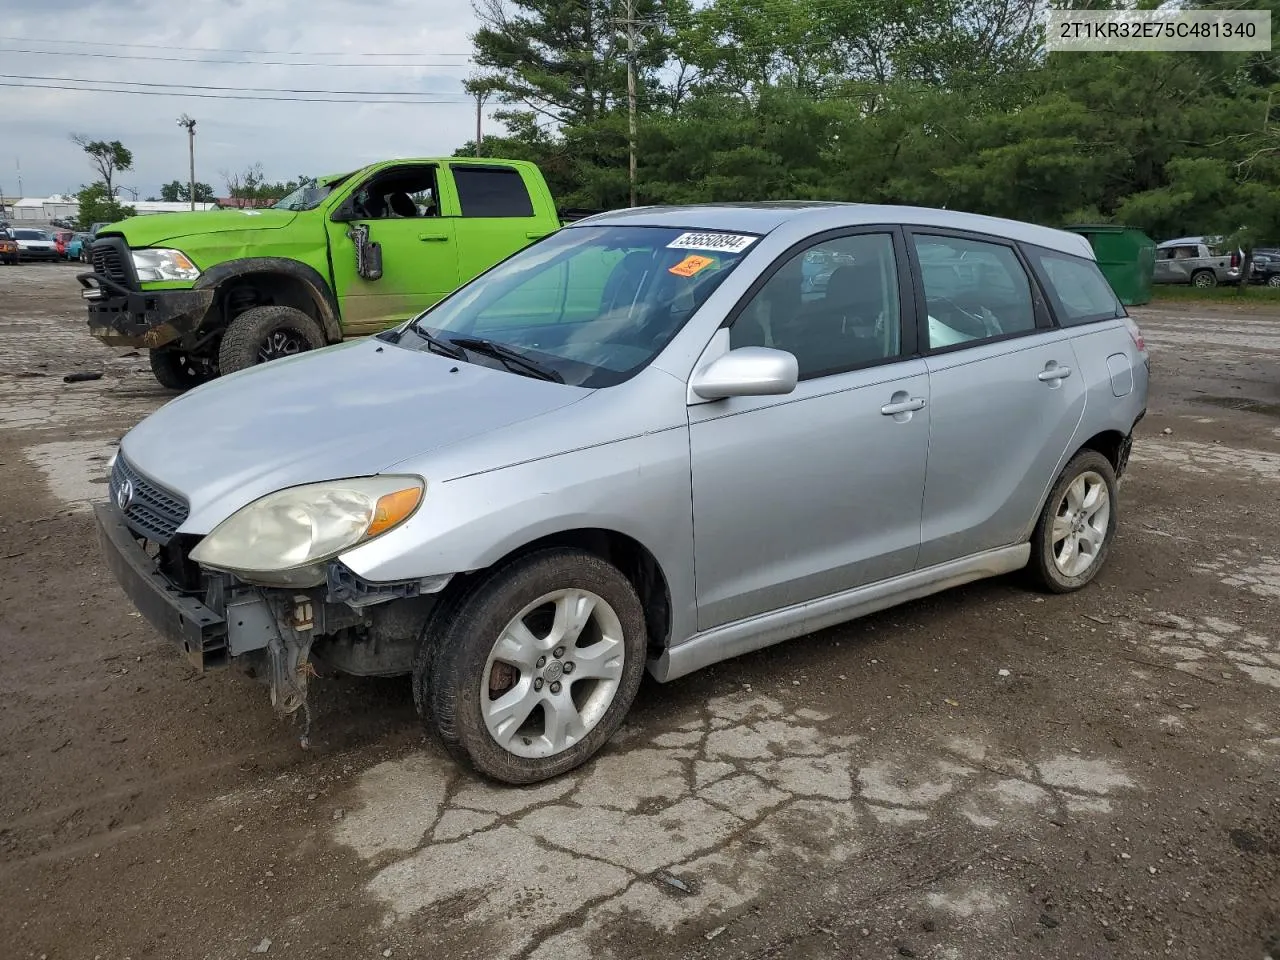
pixel 184 621
pixel 122 317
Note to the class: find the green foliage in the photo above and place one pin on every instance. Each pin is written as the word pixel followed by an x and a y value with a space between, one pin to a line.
pixel 936 102
pixel 107 157
pixel 175 191
pixel 97 205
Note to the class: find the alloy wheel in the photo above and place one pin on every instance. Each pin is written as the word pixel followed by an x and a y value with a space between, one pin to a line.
pixel 1080 524
pixel 280 343
pixel 553 673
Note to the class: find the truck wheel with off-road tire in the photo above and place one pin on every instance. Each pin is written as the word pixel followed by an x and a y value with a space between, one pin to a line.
pixel 178 370
pixel 262 334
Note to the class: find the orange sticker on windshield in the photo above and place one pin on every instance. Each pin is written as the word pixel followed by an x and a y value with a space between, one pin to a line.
pixel 691 265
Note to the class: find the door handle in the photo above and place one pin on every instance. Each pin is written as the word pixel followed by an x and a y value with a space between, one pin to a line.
pixel 903 406
pixel 427 237
pixel 1054 372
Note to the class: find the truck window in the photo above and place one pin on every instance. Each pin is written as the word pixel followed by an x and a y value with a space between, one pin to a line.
pixel 492 192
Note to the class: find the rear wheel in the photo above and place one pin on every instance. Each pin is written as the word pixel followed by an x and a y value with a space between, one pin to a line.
pixel 262 334
pixel 177 370
pixel 1204 279
pixel 534 669
pixel 1076 527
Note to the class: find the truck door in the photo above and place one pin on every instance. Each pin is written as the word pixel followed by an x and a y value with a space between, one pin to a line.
pixel 495 215
pixel 398 209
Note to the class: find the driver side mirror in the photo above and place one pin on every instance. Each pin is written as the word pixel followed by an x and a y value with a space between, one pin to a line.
pixel 747 372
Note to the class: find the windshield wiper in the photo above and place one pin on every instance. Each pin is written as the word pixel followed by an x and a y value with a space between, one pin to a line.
pixel 509 357
pixel 435 343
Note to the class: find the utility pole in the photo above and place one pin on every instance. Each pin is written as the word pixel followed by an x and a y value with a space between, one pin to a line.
pixel 480 98
pixel 631 96
pixel 190 124
pixel 18 161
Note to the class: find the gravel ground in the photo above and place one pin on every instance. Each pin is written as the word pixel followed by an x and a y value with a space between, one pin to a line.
pixel 875 790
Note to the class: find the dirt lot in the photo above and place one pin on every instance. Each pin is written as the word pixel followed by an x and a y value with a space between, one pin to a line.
pixel 877 790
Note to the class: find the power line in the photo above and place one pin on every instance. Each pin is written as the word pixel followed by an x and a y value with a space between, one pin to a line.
pixel 197 86
pixel 264 63
pixel 222 96
pixel 281 53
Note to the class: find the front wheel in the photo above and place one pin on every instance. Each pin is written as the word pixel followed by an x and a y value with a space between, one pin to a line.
pixel 179 371
pixel 262 334
pixel 1273 280
pixel 533 670
pixel 1076 527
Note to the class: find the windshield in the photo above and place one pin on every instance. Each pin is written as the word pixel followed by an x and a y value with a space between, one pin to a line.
pixel 593 305
pixel 306 197
pixel 31 235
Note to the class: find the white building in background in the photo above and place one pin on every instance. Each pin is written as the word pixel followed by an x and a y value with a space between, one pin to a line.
pixel 45 209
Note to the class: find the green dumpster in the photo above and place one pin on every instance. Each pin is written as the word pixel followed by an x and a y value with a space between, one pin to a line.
pixel 1126 257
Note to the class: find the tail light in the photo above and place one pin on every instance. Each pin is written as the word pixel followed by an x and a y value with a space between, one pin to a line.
pixel 1235 260
pixel 1135 332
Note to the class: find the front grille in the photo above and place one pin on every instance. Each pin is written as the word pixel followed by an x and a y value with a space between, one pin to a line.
pixel 149 509
pixel 108 260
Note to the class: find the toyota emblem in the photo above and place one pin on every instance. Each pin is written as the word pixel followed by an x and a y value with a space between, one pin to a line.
pixel 124 495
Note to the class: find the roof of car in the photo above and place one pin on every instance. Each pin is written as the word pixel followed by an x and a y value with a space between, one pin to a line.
pixel 766 216
pixel 1184 241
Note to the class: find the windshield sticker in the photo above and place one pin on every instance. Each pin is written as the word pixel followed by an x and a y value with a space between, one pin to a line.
pixel 690 265
pixel 724 242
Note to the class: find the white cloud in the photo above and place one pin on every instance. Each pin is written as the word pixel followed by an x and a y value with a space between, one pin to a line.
pixel 288 138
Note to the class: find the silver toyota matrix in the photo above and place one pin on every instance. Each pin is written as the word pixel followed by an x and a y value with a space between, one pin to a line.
pixel 658 438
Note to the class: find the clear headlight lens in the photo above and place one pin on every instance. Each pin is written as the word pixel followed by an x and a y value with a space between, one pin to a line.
pixel 284 537
pixel 157 263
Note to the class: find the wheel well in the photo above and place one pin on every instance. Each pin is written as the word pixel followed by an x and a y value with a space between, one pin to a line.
pixel 243 292
pixel 1109 443
pixel 627 554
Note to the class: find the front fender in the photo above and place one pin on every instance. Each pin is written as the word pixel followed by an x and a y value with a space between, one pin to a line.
pixel 326 304
pixel 639 487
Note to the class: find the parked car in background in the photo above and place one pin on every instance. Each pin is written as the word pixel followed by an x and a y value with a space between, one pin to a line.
pixel 36 245
pixel 1264 269
pixel 1199 261
pixel 488 497
pixel 63 238
pixel 8 247
pixel 78 247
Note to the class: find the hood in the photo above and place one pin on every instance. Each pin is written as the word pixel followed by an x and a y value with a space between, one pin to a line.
pixel 149 230
pixel 350 410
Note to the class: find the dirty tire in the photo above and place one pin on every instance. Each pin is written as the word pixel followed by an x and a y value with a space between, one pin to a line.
pixel 1204 279
pixel 176 370
pixel 261 334
pixel 450 665
pixel 1044 570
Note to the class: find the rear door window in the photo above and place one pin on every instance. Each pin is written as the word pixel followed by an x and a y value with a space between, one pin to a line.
pixel 974 290
pixel 1076 288
pixel 492 192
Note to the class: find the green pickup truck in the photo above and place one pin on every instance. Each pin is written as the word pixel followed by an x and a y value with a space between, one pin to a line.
pixel 213 292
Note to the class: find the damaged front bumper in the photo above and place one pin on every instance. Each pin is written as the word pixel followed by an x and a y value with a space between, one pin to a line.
pixel 123 315
pixel 120 317
pixel 349 624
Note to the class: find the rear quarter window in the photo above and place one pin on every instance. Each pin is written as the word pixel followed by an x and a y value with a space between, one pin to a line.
pixel 492 192
pixel 1076 287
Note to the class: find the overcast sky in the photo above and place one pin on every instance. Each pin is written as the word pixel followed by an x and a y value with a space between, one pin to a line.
pixel 288 138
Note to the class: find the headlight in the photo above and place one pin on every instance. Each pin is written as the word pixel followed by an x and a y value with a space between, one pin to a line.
pixel 156 263
pixel 284 538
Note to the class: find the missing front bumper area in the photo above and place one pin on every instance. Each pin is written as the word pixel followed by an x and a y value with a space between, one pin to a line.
pixel 278 634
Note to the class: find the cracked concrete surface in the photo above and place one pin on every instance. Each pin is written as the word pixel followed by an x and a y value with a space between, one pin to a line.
pixel 725 809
